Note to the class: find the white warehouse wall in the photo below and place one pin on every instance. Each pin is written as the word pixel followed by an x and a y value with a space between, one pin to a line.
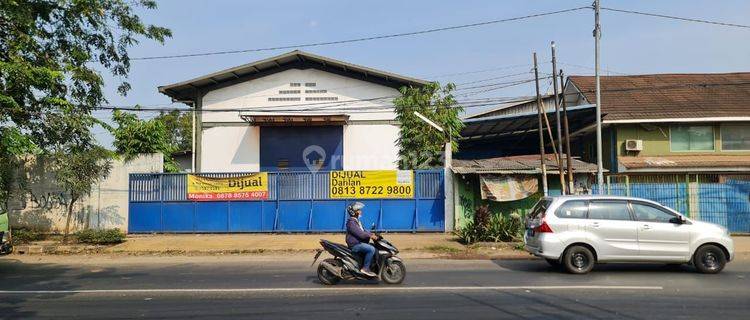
pixel 230 144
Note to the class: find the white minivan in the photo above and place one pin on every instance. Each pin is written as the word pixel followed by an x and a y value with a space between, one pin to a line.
pixel 579 231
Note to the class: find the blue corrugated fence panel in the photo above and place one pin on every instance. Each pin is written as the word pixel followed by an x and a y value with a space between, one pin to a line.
pixel 328 215
pixel 431 215
pixel 144 217
pixel 293 215
pixel 212 216
pixel 739 206
pixel 398 214
pixel 178 217
pixel 246 216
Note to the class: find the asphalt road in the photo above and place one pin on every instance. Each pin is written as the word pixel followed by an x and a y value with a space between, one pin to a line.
pixel 244 287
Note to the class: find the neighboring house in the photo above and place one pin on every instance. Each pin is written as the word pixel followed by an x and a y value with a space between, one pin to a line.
pixel 294 112
pixel 670 123
pixel 509 184
pixel 679 139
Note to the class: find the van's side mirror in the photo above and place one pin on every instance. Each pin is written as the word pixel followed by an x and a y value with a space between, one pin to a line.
pixel 677 220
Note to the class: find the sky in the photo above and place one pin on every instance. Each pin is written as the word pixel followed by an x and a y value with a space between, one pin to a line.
pixel 630 44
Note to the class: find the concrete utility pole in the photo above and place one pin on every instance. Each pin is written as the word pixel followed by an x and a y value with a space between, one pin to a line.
pixel 541 130
pixel 569 157
pixel 560 166
pixel 597 36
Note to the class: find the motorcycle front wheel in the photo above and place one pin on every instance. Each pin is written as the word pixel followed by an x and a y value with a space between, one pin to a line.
pixel 394 272
pixel 326 277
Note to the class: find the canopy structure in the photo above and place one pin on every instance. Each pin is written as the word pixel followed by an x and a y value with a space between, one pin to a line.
pixel 516 134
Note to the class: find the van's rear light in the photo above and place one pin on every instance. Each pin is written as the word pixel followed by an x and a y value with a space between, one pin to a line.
pixel 543 228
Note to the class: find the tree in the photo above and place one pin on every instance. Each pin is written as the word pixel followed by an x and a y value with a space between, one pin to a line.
pixel 420 145
pixel 134 136
pixel 50 51
pixel 179 127
pixel 12 145
pixel 77 168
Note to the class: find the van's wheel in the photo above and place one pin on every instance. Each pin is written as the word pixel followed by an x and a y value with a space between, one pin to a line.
pixel 578 260
pixel 326 277
pixel 709 259
pixel 394 272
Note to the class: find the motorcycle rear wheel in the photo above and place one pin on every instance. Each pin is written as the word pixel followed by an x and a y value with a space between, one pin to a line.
pixel 326 277
pixel 394 272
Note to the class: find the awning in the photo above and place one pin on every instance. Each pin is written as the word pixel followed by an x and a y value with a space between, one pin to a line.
pixel 526 164
pixel 295 119
pixel 524 123
pixel 686 163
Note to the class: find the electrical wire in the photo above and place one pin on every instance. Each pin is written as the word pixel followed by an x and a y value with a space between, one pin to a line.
pixel 385 36
pixel 726 24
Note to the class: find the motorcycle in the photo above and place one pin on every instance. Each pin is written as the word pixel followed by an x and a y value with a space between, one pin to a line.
pixel 345 264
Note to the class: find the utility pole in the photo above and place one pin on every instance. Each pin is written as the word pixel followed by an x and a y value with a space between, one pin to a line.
pixel 569 157
pixel 560 166
pixel 597 36
pixel 541 131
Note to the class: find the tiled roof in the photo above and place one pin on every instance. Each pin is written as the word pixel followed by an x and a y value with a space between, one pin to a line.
pixel 692 162
pixel 516 164
pixel 662 96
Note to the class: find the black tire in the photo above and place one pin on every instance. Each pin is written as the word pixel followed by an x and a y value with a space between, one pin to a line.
pixel 578 260
pixel 393 272
pixel 326 277
pixel 709 259
pixel 553 262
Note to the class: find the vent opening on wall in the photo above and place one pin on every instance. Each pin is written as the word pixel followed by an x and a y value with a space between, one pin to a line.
pixel 316 91
pixel 321 99
pixel 310 84
pixel 289 91
pixel 285 99
pixel 295 84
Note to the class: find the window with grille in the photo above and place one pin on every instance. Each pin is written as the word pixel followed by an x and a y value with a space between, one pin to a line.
pixel 289 91
pixel 321 99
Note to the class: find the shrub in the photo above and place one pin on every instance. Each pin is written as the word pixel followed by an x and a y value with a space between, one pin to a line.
pixel 23 236
pixel 106 236
pixel 497 228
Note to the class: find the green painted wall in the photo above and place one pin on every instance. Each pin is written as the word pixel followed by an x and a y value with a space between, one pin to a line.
pixel 656 140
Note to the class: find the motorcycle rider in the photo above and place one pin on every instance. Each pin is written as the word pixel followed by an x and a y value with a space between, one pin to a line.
pixel 357 238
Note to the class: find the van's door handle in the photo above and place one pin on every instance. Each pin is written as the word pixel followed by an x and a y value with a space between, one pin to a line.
pixel 646 227
pixel 595 224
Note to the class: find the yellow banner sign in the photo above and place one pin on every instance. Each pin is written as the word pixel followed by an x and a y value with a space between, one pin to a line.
pixel 372 184
pixel 249 187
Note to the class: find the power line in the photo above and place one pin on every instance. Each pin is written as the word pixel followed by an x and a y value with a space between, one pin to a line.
pixel 726 24
pixel 385 36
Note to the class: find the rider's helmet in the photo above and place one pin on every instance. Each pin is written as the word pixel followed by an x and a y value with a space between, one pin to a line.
pixel 354 207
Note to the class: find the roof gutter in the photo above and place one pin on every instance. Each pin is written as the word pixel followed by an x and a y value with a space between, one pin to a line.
pixel 706 119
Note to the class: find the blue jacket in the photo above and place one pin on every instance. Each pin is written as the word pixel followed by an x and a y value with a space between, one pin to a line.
pixel 355 234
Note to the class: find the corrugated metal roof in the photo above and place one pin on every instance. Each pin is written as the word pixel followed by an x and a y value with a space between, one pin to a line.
pixel 697 162
pixel 525 164
pixel 294 59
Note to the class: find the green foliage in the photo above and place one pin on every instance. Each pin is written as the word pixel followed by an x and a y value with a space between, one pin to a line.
pixel 23 236
pixel 106 236
pixel 420 145
pixel 179 127
pixel 134 136
pixel 77 169
pixel 491 227
pixel 50 54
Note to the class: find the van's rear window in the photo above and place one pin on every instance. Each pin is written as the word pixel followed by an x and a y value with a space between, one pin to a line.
pixel 539 208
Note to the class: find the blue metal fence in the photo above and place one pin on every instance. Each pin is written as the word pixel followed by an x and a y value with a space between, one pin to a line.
pixel 297 202
pixel 720 199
